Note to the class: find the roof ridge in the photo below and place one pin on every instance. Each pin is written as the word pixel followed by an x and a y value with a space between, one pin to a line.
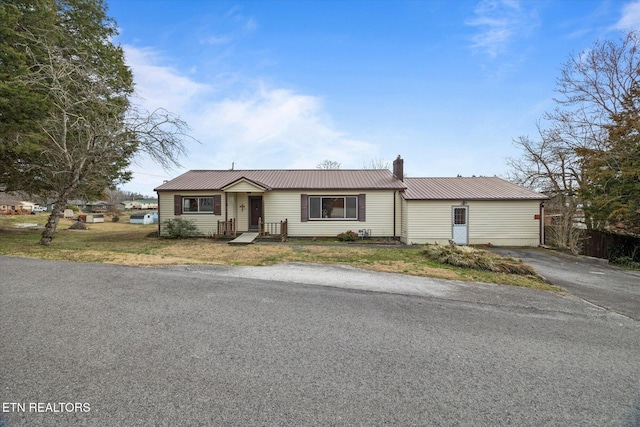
pixel 453 177
pixel 288 170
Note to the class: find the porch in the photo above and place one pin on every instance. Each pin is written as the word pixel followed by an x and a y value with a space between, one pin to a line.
pixel 272 230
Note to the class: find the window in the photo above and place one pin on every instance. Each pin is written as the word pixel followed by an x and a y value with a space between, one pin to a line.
pixel 197 204
pixel 328 208
pixel 459 216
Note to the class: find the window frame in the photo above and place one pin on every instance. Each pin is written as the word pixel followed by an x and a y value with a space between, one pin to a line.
pixel 199 203
pixel 343 197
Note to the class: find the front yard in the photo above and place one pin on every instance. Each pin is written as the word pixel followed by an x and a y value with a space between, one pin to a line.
pixel 130 244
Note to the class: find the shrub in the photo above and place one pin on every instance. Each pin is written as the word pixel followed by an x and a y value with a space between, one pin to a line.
pixel 465 256
pixel 627 262
pixel 348 236
pixel 179 228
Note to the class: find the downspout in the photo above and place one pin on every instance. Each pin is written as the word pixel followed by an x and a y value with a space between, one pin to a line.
pixel 542 223
pixel 158 194
pixel 394 214
pixel 226 206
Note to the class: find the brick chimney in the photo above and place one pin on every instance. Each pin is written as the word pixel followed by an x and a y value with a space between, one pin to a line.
pixel 398 168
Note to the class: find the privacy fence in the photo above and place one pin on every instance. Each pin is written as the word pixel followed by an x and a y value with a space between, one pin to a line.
pixel 602 244
pixel 598 244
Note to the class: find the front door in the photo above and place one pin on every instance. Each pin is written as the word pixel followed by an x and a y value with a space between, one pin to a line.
pixel 459 216
pixel 255 211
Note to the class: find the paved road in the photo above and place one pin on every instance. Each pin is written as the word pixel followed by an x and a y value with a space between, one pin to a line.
pixel 591 279
pixel 196 346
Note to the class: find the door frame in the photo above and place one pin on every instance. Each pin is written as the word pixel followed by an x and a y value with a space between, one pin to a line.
pixel 461 231
pixel 251 213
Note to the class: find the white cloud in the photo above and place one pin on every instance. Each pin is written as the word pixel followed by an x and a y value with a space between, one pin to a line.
pixel 158 85
pixel 630 17
pixel 499 23
pixel 277 128
pixel 254 125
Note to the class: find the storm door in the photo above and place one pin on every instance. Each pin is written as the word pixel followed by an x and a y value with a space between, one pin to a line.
pixel 460 225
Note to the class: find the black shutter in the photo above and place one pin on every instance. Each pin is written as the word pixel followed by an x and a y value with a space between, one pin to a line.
pixel 304 207
pixel 217 204
pixel 362 207
pixel 177 204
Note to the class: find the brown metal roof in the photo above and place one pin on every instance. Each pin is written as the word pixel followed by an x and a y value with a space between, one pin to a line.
pixel 307 179
pixel 474 188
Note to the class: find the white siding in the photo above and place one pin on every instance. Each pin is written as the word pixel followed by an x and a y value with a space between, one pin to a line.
pixel 207 223
pixel 427 221
pixel 501 223
pixel 281 205
pixel 242 212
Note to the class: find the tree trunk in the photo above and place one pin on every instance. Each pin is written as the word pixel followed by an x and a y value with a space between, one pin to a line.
pixel 52 224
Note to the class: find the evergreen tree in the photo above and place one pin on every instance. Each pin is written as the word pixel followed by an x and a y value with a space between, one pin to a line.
pixel 82 133
pixel 611 190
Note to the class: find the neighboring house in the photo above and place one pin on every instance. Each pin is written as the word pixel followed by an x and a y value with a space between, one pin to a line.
pixel 326 202
pixel 11 203
pixel 99 206
pixel 140 204
pixel 81 204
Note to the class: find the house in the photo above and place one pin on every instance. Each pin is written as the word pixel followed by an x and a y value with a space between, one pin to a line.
pixel 9 204
pixel 99 206
pixel 372 202
pixel 140 204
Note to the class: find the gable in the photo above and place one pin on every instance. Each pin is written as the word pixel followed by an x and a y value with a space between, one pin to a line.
pixel 244 185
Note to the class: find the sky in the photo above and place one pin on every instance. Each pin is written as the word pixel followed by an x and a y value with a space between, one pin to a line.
pixel 448 85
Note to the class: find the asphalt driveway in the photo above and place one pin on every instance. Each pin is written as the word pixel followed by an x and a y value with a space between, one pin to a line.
pixel 593 280
pixel 98 344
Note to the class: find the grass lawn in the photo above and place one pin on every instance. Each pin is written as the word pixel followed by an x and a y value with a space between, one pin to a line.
pixel 129 244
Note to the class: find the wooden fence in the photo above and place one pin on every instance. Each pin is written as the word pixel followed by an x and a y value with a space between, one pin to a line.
pixel 603 244
pixel 226 228
pixel 273 229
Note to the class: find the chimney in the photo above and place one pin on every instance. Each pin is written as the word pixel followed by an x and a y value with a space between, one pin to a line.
pixel 398 168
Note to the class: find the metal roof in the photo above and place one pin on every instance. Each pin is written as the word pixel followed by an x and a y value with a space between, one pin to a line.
pixel 304 179
pixel 466 188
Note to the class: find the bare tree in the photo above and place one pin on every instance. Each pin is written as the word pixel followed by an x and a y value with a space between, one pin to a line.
pixel 328 164
pixel 548 166
pixel 591 90
pixel 377 163
pixel 90 134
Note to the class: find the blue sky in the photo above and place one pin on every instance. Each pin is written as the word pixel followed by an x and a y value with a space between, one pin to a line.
pixel 287 84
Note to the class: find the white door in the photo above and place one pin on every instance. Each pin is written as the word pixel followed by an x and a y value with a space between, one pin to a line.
pixel 460 226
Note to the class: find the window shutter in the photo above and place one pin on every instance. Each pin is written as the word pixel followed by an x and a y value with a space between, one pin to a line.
pixel 217 204
pixel 304 207
pixel 362 207
pixel 177 204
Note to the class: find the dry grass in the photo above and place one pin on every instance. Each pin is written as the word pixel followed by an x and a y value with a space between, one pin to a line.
pixel 129 244
pixel 468 257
